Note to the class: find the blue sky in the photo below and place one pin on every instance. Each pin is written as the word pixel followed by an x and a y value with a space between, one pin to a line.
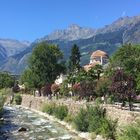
pixel 32 19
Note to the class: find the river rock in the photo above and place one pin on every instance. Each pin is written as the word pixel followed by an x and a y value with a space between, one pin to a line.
pixel 1 119
pixel 22 129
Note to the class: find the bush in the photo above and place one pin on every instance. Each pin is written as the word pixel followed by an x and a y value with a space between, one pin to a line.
pixel 89 119
pixel 131 132
pixel 98 101
pixel 95 116
pixel 49 108
pixel 107 129
pixel 18 99
pixel 61 112
pixel 1 104
pixel 110 100
pixel 93 119
pixel 64 89
pixel 69 118
pixel 81 121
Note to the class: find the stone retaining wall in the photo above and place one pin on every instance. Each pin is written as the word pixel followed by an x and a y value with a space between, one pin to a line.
pixel 124 116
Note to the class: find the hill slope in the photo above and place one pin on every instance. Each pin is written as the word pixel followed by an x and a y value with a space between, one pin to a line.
pixel 109 38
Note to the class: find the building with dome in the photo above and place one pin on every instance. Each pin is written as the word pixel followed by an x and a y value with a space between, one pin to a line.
pixel 97 58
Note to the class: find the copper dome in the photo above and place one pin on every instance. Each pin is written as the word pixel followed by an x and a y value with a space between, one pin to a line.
pixel 99 53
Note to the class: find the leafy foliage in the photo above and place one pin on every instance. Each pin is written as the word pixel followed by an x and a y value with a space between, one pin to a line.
pixel 95 72
pixel 93 119
pixel 74 62
pixel 108 129
pixel 102 87
pixel 55 88
pixel 16 87
pixel 29 79
pixel 49 108
pixel 18 99
pixel 6 80
pixel 128 58
pixel 64 89
pixel 61 112
pixel 81 122
pixel 46 90
pixel 131 132
pixel 2 99
pixel 123 86
pixel 44 65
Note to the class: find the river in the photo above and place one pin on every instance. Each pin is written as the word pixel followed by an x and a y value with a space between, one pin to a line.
pixel 38 127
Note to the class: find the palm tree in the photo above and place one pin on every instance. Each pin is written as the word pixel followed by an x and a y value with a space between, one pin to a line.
pixel 96 71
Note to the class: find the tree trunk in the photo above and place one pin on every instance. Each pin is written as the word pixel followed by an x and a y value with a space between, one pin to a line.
pixel 130 104
pixel 39 91
pixel 98 76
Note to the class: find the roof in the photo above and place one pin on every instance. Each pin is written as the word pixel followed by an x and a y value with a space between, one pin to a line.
pixel 89 66
pixel 99 53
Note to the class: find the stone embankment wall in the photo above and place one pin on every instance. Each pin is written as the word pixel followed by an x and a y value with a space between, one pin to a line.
pixel 124 116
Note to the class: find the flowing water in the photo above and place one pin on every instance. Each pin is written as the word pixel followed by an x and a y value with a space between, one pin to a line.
pixel 38 127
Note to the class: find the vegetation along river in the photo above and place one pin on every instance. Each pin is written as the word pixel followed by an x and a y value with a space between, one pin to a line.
pixel 38 127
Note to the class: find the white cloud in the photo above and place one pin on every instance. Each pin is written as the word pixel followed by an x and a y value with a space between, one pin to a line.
pixel 123 14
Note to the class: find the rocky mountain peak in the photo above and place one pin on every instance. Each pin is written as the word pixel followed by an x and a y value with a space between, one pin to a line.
pixel 74 27
pixel 73 32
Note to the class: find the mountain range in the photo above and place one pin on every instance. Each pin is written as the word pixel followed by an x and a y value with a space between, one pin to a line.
pixel 14 54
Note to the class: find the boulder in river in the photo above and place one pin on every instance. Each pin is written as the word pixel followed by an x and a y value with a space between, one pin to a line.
pixel 1 119
pixel 22 129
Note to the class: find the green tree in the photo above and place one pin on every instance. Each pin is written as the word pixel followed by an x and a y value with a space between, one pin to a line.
pixel 29 79
pixel 95 72
pixel 138 83
pixel 64 89
pixel 6 80
pixel 102 87
pixel 74 61
pixel 128 58
pixel 44 65
pixel 123 87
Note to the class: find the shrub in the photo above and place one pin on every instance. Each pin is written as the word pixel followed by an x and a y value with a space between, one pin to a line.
pixel 76 88
pixel 93 119
pixel 69 118
pixel 89 119
pixel 110 100
pixel 95 116
pixel 1 104
pixel 61 112
pixel 131 132
pixel 81 121
pixel 107 129
pixel 55 88
pixel 94 123
pixel 93 136
pixel 102 88
pixel 98 101
pixel 64 89
pixel 18 99
pixel 49 108
pixel 46 90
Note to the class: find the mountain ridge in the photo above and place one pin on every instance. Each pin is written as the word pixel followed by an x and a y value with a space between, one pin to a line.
pixel 108 38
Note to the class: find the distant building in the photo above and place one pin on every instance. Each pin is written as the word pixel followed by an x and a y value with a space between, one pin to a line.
pixel 97 58
pixel 60 79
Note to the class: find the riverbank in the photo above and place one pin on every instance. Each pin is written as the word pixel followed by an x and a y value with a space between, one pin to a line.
pixel 82 135
pixel 124 117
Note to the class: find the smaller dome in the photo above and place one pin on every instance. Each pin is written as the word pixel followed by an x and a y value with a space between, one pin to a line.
pixel 99 53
